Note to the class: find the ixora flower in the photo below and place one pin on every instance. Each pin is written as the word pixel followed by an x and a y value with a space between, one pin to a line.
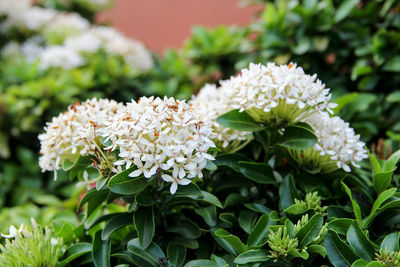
pixel 13 232
pixel 75 132
pixel 277 94
pixel 36 247
pixel 338 146
pixel 161 135
pixel 61 57
pixel 210 103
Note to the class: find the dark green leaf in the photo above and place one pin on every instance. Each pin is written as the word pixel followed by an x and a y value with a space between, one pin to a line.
pixel 185 227
pixel 287 193
pixel 356 207
pixel 115 223
pixel 229 242
pixel 101 251
pixel 144 224
pixel 339 253
pixel 341 225
pixel 209 214
pixel 259 234
pixel 258 172
pixel 121 183
pixel 201 263
pixel 253 255
pixel 75 251
pixel 176 254
pixel 246 220
pixel 298 137
pixel 344 9
pixel 239 121
pixel 310 230
pixel 360 242
pixel 391 242
pixel 317 249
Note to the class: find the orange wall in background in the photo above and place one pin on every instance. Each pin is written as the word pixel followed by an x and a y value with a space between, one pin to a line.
pixel 162 24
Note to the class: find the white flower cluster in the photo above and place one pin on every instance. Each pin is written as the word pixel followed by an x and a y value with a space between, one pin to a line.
pixel 274 93
pixel 78 37
pixel 163 135
pixel 336 140
pixel 212 102
pixel 74 132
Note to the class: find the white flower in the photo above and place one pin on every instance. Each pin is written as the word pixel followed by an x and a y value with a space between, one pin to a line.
pixel 338 146
pixel 67 24
pixel 60 56
pixel 32 18
pixel 174 182
pixel 85 42
pixel 13 6
pixel 13 232
pixel 161 134
pixel 75 132
pixel 280 94
pixel 210 103
pixel 11 49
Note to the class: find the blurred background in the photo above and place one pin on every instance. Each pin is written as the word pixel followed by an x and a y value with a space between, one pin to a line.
pixel 162 24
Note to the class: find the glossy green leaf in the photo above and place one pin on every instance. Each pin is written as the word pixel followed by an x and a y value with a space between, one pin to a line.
pixel 144 224
pixel 310 230
pixel 378 202
pixel 239 121
pixel 287 193
pixel 359 263
pixel 201 263
pixel 341 225
pixel 185 227
pixel 246 220
pixel 298 136
pixel 253 255
pixel 229 242
pixel 258 208
pixel 356 207
pixel 339 253
pixel 259 234
pixel 317 249
pixel 176 254
pixel 207 197
pixel 152 254
pixel 209 214
pixel 391 242
pixel 360 242
pixel 144 198
pixel 74 252
pixel 122 184
pixel 115 223
pixel 258 172
pixel 344 9
pixel 101 251
pixel 230 160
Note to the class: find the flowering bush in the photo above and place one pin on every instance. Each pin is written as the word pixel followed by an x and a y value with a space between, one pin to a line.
pixel 209 183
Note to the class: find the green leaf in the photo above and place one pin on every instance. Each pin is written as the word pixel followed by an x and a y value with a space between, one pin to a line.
pixel 258 208
pixel 144 224
pixel 317 249
pixel 115 223
pixel 239 121
pixel 393 97
pixel 246 220
pixel 391 242
pixel 356 207
pixel 144 198
pixel 375 264
pixel 185 227
pixel 258 172
pixel 253 255
pixel 201 263
pixel 122 184
pixel 360 242
pixel 229 242
pixel 385 195
pixel 287 193
pixel 259 234
pixel 298 136
pixel 376 166
pixel 393 64
pixel 339 253
pixel 390 163
pixel 93 195
pixel 74 252
pixel 209 214
pixel 344 9
pixel 176 254
pixel 308 232
pixel 230 160
pixel 152 254
pixel 101 251
pixel 341 225
pixel 219 261
pixel 206 197
pixel 359 263
pixel 295 209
